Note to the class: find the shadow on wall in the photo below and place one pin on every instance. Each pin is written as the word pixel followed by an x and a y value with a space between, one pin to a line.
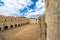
pixel 11 26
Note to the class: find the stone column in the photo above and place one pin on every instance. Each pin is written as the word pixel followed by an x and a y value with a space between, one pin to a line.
pixel 42 24
pixel 43 27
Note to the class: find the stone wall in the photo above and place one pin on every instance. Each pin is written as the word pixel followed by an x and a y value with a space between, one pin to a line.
pixel 33 21
pixel 7 22
pixel 53 19
pixel 43 27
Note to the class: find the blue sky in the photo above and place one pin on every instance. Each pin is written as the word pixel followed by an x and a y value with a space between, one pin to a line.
pixel 26 8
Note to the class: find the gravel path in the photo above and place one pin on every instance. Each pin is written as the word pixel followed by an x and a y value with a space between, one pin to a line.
pixel 26 32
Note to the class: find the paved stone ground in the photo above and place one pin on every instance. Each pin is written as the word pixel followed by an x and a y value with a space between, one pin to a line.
pixel 26 32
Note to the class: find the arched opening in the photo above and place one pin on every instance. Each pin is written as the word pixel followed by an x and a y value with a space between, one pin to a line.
pixel 0 28
pixel 11 26
pixel 5 19
pixel 36 19
pixel 36 23
pixel 11 19
pixel 22 23
pixel 5 27
pixel 15 25
pixel 18 24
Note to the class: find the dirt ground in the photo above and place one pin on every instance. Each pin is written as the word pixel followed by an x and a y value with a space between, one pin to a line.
pixel 26 32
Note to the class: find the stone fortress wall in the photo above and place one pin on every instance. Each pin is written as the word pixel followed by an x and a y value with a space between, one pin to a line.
pixel 7 22
pixel 51 21
pixel 33 21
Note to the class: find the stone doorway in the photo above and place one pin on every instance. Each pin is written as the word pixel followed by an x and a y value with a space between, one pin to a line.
pixel 11 26
pixel 0 28
pixel 5 27
pixel 18 24
pixel 15 25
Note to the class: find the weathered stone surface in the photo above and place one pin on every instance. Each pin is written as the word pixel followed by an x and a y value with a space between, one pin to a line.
pixel 7 22
pixel 33 21
pixel 53 20
pixel 43 27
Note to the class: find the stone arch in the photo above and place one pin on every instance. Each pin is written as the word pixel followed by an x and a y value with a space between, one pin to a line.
pixel 5 19
pixel 11 19
pixel 5 27
pixel 15 25
pixel 11 26
pixel 18 24
pixel 36 19
pixel 0 28
pixel 36 23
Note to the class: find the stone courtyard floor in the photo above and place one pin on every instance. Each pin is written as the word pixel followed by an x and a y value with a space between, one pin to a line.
pixel 26 32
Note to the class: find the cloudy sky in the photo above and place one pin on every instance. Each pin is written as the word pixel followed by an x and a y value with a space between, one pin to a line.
pixel 26 8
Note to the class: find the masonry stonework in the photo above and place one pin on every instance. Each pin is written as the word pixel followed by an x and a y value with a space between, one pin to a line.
pixel 7 22
pixel 33 21
pixel 43 27
pixel 53 19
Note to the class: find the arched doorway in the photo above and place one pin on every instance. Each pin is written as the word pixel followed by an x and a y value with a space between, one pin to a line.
pixel 36 23
pixel 5 27
pixel 18 24
pixel 11 26
pixel 15 25
pixel 0 28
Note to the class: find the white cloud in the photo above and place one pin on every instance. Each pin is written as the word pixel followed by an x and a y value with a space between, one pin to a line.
pixel 12 6
pixel 38 10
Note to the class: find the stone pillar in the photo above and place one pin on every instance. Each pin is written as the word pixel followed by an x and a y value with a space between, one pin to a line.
pixel 42 24
pixel 53 20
